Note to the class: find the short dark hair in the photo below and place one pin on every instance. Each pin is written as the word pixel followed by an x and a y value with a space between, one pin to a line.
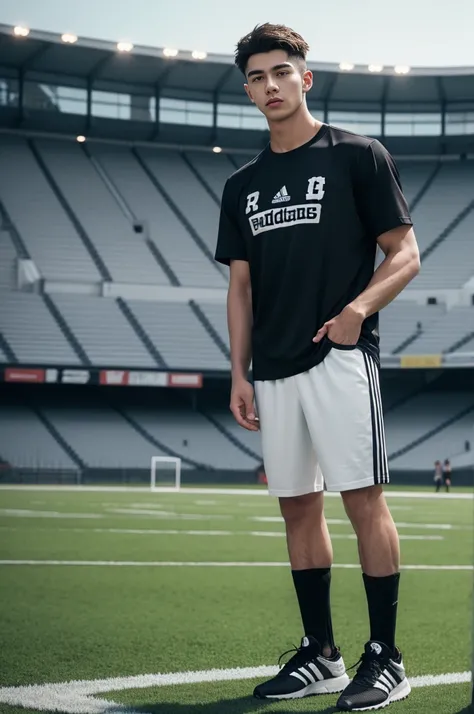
pixel 267 37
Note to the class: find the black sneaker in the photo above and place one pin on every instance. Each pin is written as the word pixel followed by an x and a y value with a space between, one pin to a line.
pixel 380 680
pixel 307 672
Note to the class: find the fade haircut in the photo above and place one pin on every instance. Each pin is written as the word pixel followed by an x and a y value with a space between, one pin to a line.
pixel 268 37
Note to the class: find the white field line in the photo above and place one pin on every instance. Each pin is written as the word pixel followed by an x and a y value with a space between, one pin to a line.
pixel 345 522
pixel 153 532
pixel 212 564
pixel 169 514
pixel 77 697
pixel 33 513
pixel 216 491
pixel 173 515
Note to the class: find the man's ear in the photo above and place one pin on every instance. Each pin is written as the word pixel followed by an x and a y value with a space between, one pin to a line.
pixel 307 80
pixel 249 93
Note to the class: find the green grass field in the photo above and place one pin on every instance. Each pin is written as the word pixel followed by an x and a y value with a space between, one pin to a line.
pixel 94 619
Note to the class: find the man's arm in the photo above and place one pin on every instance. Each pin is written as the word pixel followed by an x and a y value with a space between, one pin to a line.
pixel 239 320
pixel 400 265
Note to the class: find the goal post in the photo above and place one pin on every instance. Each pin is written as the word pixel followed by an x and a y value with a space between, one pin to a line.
pixel 158 462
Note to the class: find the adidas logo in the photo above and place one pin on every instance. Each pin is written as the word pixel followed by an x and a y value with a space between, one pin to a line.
pixel 375 647
pixel 282 196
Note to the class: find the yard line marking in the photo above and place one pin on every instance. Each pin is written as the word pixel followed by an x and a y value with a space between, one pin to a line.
pixel 31 513
pixel 76 697
pixel 153 531
pixel 346 522
pixel 168 514
pixel 218 491
pixel 211 564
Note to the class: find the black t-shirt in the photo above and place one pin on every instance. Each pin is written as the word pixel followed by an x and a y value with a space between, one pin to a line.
pixel 307 221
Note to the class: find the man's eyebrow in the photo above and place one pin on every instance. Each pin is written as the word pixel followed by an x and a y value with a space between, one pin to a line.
pixel 277 66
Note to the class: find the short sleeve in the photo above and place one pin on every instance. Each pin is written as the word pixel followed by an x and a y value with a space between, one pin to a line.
pixel 230 241
pixel 380 200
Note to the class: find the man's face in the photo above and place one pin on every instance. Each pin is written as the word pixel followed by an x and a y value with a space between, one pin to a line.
pixel 276 83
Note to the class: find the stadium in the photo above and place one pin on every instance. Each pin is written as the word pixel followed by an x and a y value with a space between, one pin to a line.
pixel 115 376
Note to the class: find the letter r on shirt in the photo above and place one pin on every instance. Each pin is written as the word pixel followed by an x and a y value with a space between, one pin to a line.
pixel 252 202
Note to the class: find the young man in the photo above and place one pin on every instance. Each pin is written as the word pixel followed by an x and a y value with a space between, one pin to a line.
pixel 299 227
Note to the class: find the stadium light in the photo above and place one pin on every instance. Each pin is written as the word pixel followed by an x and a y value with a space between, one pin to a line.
pixel 81 139
pixel 375 67
pixel 402 69
pixel 124 46
pixel 20 31
pixel 68 38
pixel 199 55
pixel 346 67
pixel 170 52
pixel 217 149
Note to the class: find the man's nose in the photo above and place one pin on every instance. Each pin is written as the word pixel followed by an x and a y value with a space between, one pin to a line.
pixel 271 86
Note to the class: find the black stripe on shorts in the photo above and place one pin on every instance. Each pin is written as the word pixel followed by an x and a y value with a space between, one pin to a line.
pixel 379 448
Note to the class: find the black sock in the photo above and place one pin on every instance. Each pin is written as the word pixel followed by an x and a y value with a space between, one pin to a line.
pixel 313 591
pixel 382 600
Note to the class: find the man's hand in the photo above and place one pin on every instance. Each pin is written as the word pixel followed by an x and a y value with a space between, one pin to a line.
pixel 242 405
pixel 344 329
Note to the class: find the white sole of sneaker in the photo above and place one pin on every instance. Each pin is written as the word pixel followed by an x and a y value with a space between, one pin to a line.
pixel 325 686
pixel 396 695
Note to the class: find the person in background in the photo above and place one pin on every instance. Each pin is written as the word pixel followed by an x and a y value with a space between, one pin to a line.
pixel 438 475
pixel 447 471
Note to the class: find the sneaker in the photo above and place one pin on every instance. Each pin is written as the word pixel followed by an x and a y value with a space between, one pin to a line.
pixel 307 672
pixel 379 681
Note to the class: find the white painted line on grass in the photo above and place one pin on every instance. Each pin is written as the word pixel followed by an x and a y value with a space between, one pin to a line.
pixel 27 513
pixel 169 514
pixel 210 564
pixel 218 491
pixel 77 697
pixel 346 522
pixel 153 532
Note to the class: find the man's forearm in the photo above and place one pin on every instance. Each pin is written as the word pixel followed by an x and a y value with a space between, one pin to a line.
pixel 388 281
pixel 239 320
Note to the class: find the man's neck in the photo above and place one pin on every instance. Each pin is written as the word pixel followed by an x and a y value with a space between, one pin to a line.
pixel 294 131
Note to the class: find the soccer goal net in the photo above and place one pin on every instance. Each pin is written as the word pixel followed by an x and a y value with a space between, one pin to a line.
pixel 165 472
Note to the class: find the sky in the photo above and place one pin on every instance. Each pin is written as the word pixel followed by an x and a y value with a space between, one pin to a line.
pixel 427 33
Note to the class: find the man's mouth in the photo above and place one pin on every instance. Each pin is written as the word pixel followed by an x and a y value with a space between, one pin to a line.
pixel 274 101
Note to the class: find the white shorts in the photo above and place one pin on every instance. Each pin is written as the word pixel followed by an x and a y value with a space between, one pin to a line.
pixel 324 428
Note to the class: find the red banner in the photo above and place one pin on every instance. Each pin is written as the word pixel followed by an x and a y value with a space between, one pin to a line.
pixel 185 380
pixel 113 377
pixel 21 374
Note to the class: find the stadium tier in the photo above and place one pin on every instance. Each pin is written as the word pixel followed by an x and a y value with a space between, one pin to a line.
pixel 75 212
pixel 94 434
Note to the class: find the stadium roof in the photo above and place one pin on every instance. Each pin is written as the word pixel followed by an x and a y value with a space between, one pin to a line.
pixel 201 76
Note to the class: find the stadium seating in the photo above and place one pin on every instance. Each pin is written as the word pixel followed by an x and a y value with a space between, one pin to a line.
pixel 147 204
pixel 25 442
pixel 449 193
pixel 103 331
pixel 102 437
pixel 32 332
pixel 186 191
pixel 191 435
pixel 50 237
pixel 7 262
pixel 447 443
pixel 125 254
pixel 414 175
pixel 399 321
pixel 178 335
pixel 421 414
pixel 444 333
pixel 214 169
